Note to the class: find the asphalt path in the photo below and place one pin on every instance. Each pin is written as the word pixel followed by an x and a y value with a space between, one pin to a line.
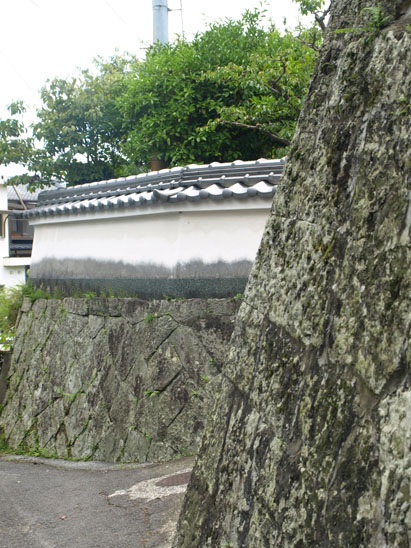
pixel 58 504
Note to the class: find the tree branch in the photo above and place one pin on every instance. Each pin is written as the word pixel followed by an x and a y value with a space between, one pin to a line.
pixel 312 46
pixel 281 60
pixel 258 127
pixel 320 16
pixel 273 84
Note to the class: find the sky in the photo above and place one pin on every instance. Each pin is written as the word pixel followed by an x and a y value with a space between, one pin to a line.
pixel 45 39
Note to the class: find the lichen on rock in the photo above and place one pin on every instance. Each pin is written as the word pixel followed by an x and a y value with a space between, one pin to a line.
pixel 308 442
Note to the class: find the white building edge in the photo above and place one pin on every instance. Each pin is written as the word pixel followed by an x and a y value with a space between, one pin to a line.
pixel 12 269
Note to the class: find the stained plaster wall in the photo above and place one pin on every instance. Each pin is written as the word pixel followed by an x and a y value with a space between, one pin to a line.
pixel 191 252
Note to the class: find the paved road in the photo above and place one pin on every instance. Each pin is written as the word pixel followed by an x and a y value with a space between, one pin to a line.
pixel 59 504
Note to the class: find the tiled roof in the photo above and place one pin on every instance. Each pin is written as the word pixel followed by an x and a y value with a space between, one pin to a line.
pixel 192 183
pixel 25 194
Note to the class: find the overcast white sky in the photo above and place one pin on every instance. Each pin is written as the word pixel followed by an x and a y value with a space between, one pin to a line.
pixel 41 39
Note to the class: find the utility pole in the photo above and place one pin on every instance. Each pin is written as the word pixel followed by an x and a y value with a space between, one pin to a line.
pixel 160 34
pixel 160 21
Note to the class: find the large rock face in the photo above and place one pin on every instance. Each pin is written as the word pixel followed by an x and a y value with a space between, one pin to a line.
pixel 309 443
pixel 115 379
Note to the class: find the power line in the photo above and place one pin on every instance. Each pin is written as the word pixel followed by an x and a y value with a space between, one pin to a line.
pixel 22 78
pixel 116 12
pixel 180 9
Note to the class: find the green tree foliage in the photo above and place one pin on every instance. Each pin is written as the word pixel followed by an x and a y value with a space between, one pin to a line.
pixel 314 7
pixel 80 127
pixel 15 147
pixel 234 92
pixel 309 6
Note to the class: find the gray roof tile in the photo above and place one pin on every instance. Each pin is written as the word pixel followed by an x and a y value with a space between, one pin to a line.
pixel 25 194
pixel 216 181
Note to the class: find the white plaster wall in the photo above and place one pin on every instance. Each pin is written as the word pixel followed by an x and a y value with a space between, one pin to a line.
pixel 12 275
pixel 162 239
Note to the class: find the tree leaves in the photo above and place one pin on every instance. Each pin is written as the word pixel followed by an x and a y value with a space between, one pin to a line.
pixel 80 126
pixel 234 92
pixel 15 146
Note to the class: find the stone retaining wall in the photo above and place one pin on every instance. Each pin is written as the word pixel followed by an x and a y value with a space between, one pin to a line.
pixel 115 379
pixel 309 442
pixel 4 369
